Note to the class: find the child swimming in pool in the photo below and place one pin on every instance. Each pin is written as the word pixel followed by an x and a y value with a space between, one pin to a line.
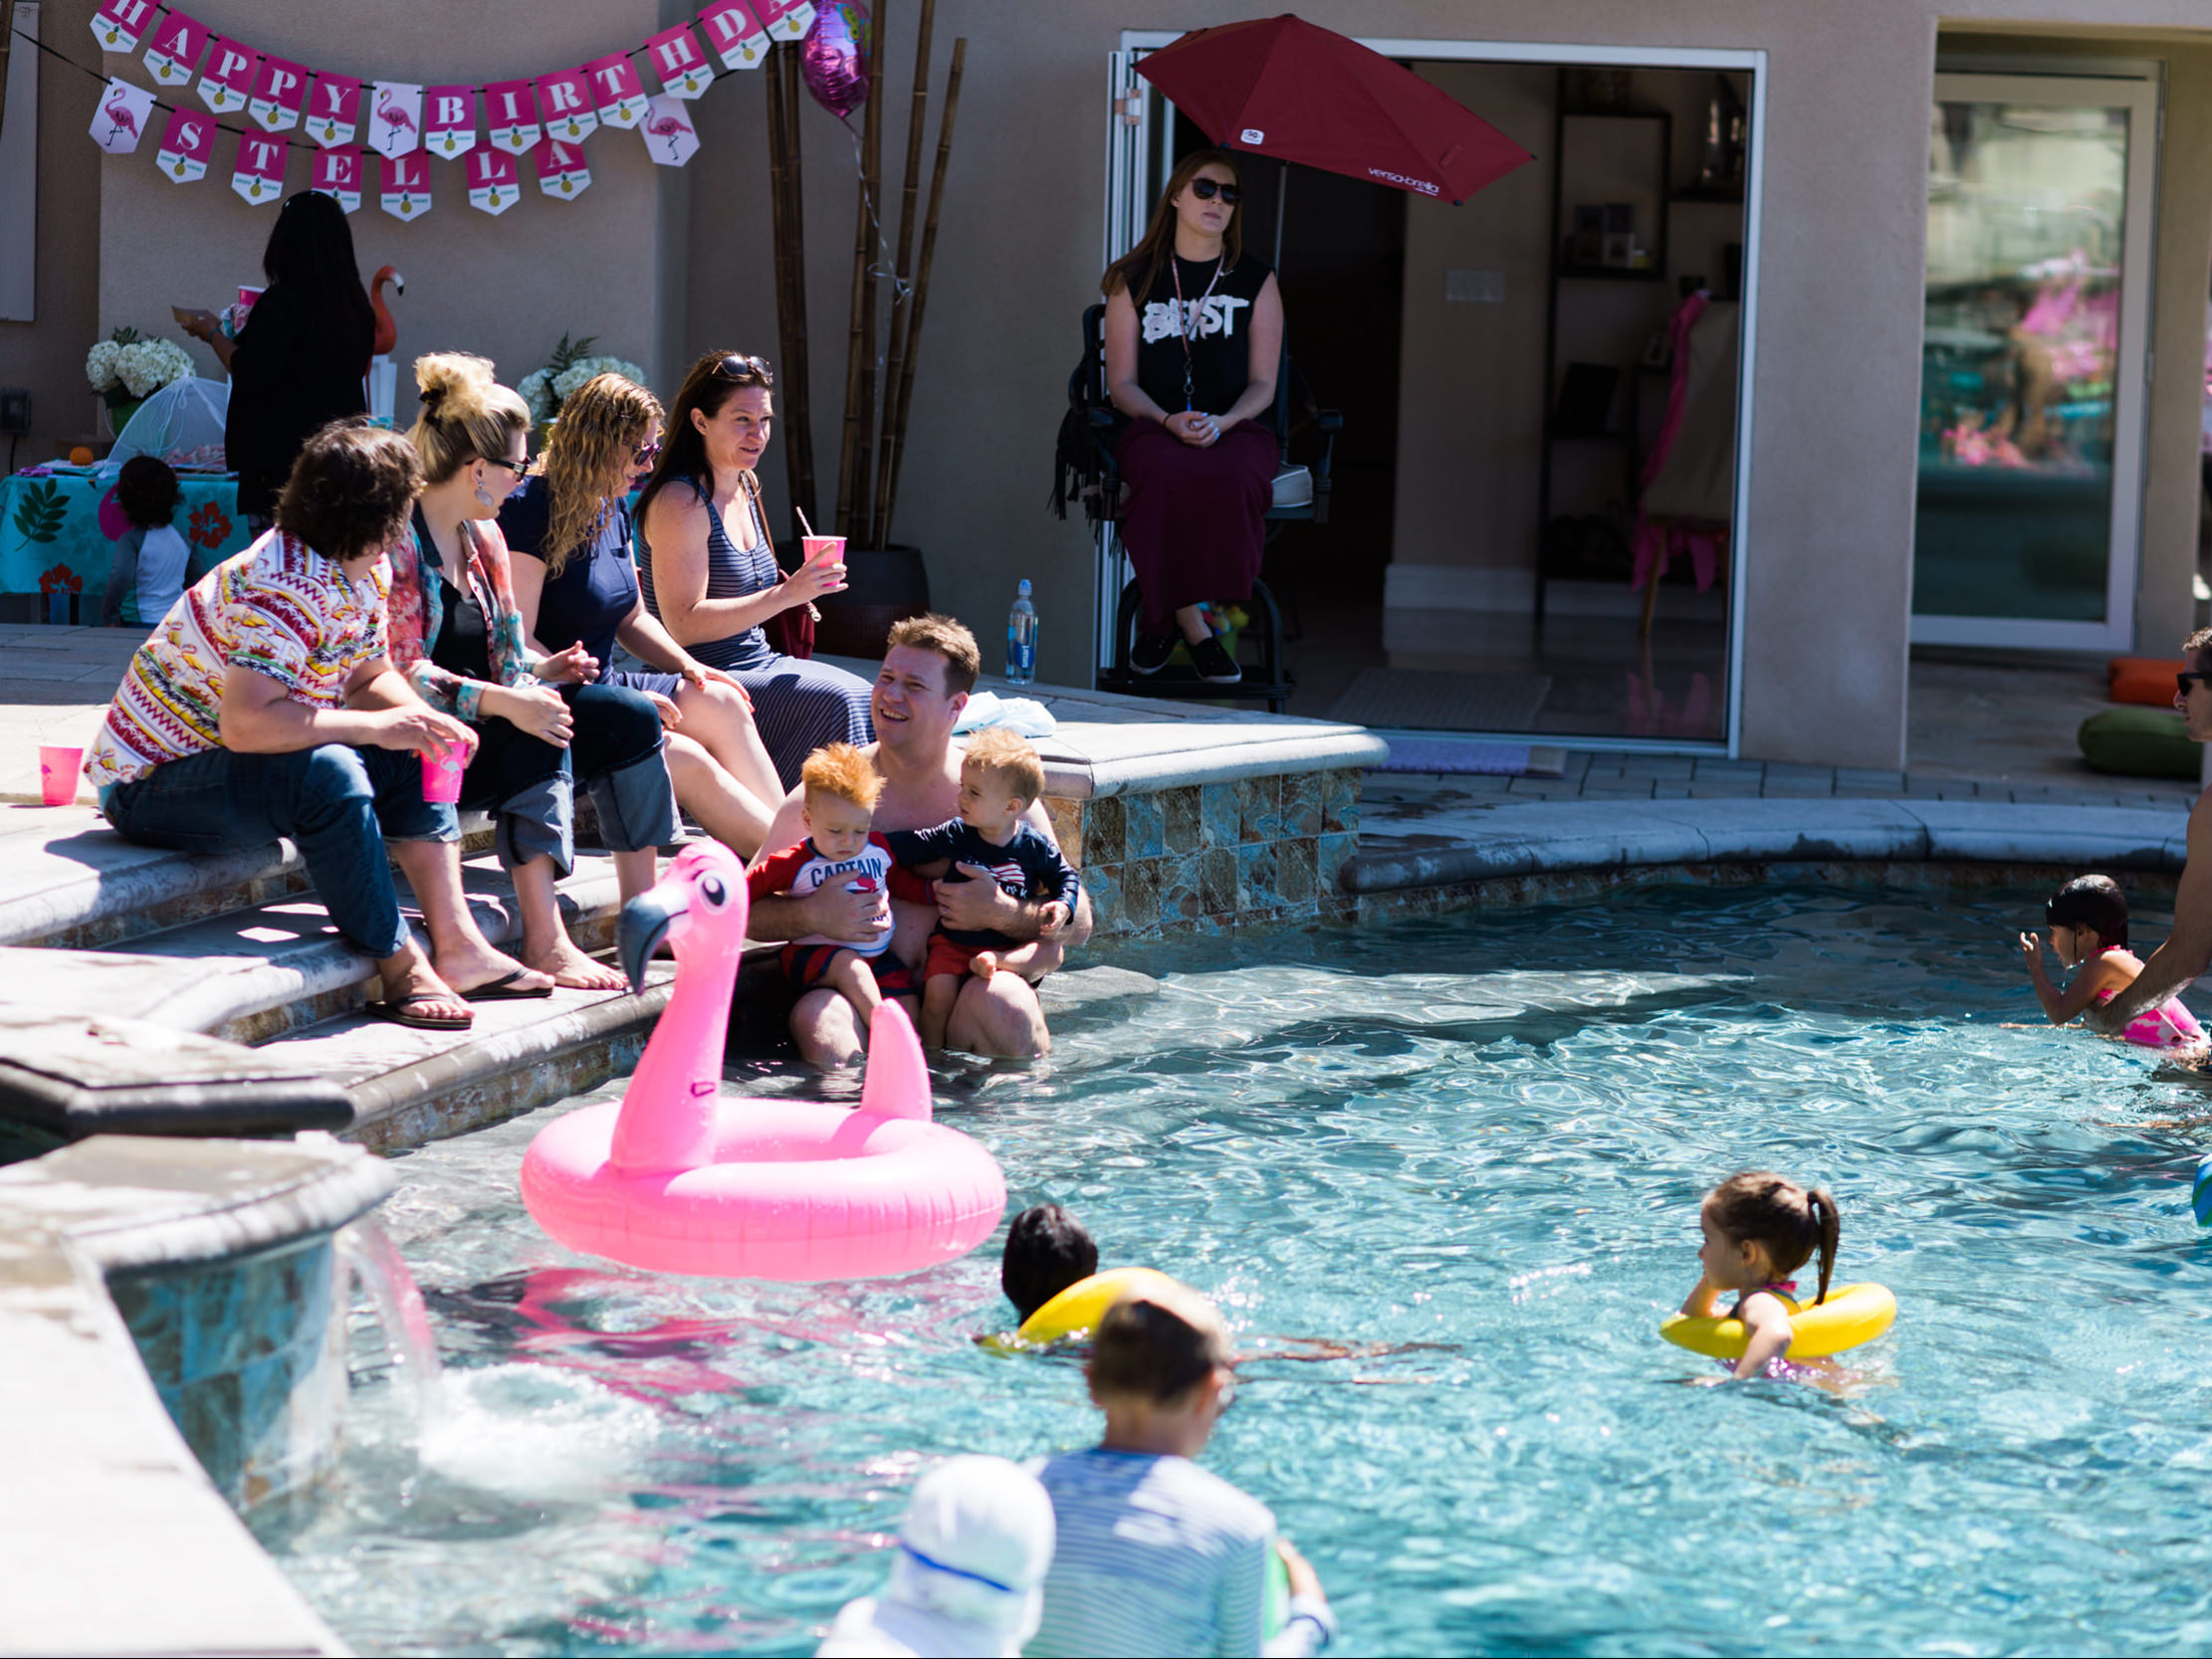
pixel 2089 931
pixel 1759 1229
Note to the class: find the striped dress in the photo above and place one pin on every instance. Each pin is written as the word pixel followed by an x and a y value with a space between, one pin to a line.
pixel 799 704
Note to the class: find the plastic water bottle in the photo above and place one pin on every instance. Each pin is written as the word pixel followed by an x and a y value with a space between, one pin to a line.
pixel 1021 640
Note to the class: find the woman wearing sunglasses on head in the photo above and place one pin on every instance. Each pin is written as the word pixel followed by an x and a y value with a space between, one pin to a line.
pixel 1194 338
pixel 711 575
pixel 577 586
pixel 544 726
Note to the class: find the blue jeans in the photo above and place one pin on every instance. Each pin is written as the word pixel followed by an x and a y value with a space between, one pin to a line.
pixel 337 805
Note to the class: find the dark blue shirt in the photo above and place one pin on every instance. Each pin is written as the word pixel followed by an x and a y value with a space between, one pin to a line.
pixel 1029 866
pixel 597 589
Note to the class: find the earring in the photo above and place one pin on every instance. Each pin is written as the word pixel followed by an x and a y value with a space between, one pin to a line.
pixel 483 494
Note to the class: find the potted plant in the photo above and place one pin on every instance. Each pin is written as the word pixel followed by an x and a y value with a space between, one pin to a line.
pixel 126 368
pixel 571 365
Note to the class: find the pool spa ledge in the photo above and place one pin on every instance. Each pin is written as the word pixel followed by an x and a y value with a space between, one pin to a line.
pixel 174 1318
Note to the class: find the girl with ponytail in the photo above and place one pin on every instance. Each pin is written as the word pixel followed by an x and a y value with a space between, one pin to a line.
pixel 1759 1230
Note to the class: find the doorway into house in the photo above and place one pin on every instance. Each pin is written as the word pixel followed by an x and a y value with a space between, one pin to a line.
pixel 1542 394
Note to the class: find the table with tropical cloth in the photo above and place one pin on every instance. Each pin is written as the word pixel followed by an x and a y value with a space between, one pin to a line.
pixel 58 526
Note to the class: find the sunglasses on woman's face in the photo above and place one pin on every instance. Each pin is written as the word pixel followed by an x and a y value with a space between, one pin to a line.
pixel 1206 189
pixel 520 469
pixel 646 453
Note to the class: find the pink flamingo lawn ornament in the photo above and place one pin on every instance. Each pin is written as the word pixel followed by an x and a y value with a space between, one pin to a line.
pixel 680 1179
pixel 120 119
pixel 669 127
pixel 387 331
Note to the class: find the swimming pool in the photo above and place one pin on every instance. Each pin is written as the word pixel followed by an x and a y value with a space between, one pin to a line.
pixel 1485 1135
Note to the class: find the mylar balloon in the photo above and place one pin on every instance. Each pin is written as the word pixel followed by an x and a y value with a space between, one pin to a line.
pixel 836 56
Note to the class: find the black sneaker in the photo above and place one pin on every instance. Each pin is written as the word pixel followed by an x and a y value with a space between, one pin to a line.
pixel 1215 665
pixel 1150 653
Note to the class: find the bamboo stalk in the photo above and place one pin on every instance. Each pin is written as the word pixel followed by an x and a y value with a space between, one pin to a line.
pixel 871 364
pixel 797 376
pixel 922 275
pixel 781 229
pixel 855 362
pixel 902 295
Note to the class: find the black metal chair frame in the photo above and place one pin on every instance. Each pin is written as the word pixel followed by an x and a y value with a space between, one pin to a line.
pixel 1099 488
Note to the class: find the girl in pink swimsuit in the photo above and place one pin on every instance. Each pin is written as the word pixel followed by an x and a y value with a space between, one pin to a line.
pixel 2089 931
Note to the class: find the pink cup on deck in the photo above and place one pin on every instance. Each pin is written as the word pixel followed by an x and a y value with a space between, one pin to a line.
pixel 58 769
pixel 441 780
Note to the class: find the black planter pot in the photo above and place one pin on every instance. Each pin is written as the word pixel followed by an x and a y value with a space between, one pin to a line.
pixel 882 584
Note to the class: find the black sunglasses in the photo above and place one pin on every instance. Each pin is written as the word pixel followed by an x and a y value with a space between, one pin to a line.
pixel 2187 681
pixel 1206 189
pixel 737 365
pixel 520 469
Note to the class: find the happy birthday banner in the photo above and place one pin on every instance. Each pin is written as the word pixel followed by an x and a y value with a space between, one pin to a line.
pixel 405 123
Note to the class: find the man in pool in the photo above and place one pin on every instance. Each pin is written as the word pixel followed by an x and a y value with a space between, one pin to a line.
pixel 928 672
pixel 2187 952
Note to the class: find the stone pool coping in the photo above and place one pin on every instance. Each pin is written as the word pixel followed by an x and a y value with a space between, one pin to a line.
pixel 1562 837
pixel 117 1540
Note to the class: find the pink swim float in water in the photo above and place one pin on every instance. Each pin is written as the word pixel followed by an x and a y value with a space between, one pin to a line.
pixel 680 1179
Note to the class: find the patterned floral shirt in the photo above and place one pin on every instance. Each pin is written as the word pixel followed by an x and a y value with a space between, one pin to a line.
pixel 417 616
pixel 279 608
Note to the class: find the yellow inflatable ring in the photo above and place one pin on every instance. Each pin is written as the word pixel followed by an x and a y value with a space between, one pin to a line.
pixel 1076 1310
pixel 1853 1313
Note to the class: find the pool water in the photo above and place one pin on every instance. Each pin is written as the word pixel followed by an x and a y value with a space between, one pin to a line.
pixel 1483 1137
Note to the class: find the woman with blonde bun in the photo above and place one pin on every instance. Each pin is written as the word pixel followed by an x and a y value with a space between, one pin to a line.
pixel 542 720
pixel 578 584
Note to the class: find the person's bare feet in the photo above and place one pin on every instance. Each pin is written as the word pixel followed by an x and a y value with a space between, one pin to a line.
pixel 472 967
pixel 416 988
pixel 572 970
pixel 983 963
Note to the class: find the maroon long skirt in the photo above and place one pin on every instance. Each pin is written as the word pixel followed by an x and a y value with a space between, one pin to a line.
pixel 1193 520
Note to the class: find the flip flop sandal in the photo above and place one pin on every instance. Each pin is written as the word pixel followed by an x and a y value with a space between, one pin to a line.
pixel 396 1010
pixel 504 990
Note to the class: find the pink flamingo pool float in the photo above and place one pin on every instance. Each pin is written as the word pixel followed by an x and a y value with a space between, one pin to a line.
pixel 680 1179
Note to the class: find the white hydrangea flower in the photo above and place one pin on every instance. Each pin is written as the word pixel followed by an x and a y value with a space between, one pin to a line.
pixel 100 366
pixel 145 366
pixel 536 391
pixel 585 368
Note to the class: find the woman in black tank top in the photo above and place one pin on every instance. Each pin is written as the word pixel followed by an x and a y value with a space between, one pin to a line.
pixel 1193 340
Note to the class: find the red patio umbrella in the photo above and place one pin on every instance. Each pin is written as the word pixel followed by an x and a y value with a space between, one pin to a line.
pixel 1281 86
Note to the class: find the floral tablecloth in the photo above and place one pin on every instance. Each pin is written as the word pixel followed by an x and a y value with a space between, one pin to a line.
pixel 58 524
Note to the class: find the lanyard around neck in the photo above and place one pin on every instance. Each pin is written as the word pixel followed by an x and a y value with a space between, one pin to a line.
pixel 1186 318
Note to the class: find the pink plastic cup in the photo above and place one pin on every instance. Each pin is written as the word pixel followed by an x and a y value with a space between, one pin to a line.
pixel 826 549
pixel 441 780
pixel 58 769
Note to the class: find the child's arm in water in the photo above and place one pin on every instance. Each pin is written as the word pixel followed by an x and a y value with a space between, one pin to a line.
pixel 2101 973
pixel 1766 1321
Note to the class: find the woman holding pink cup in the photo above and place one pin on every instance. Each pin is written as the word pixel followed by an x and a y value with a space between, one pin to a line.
pixel 711 576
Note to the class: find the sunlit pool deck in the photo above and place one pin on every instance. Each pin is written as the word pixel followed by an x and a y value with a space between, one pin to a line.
pixel 145 992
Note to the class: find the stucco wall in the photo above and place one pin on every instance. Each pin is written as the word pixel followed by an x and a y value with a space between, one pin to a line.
pixel 47 355
pixel 506 286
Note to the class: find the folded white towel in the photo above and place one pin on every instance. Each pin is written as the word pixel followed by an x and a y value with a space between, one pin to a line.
pixel 1024 714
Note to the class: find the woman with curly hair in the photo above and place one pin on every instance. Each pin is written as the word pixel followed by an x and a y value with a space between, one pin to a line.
pixel 544 725
pixel 577 586
pixel 711 575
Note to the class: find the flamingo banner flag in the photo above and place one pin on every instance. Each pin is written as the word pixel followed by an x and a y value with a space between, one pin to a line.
pixel 258 176
pixel 736 34
pixel 338 174
pixel 511 112
pixel 563 172
pixel 495 183
pixel 120 24
pixel 120 120
pixel 449 121
pixel 173 49
pixel 187 143
pixel 406 192
pixel 395 118
pixel 279 89
pixel 616 89
pixel 670 139
pixel 227 84
pixel 676 60
pixel 565 104
pixel 786 20
pixel 335 112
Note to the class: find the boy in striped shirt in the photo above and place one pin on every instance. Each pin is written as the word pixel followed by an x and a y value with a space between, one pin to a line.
pixel 1155 1555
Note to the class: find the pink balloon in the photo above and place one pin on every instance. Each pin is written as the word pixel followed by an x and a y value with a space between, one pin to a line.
pixel 837 56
